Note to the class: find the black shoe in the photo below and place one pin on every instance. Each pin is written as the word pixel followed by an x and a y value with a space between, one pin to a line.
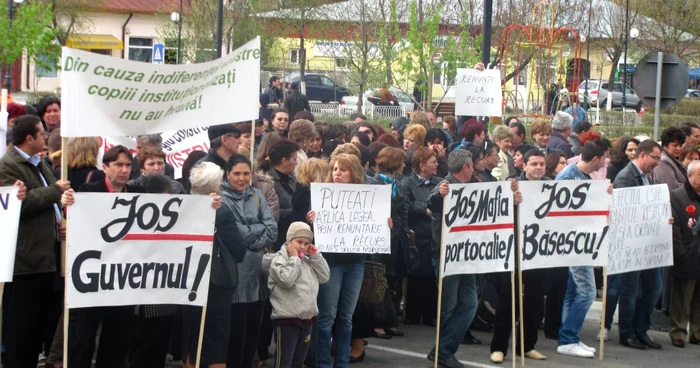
pixel 469 339
pixel 632 343
pixel 358 359
pixel 384 336
pixel 394 332
pixel 411 321
pixel 551 336
pixel 450 362
pixel 646 340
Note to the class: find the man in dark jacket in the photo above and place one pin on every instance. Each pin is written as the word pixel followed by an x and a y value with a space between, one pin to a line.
pixel 561 129
pixel 638 290
pixel 685 273
pixel 31 296
pixel 84 322
pixel 271 98
pixel 459 291
pixel 223 144
pixel 296 101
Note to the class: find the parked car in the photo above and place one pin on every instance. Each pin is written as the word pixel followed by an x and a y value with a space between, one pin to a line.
pixel 692 93
pixel 598 90
pixel 320 88
pixel 373 95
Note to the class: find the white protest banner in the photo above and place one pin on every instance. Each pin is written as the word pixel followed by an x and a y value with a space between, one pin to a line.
pixel 177 145
pixel 139 249
pixel 564 223
pixel 640 235
pixel 478 92
pixel 478 234
pixel 351 218
pixel 106 96
pixel 3 131
pixel 9 218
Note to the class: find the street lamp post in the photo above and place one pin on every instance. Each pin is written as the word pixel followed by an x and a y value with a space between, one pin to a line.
pixel 10 10
pixel 588 47
pixel 176 17
pixel 627 37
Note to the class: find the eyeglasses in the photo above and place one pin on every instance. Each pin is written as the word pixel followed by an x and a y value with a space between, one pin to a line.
pixel 656 158
pixel 282 119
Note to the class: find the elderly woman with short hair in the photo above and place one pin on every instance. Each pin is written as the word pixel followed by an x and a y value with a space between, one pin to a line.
pixel 503 137
pixel 230 245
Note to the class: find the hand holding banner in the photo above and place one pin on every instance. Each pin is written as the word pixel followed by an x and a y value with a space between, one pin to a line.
pixel 10 208
pixel 141 249
pixel 351 218
pixel 478 234
pixel 564 223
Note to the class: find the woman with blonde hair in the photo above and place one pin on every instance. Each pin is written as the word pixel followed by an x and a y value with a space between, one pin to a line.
pixel 503 137
pixel 82 161
pixel 420 118
pixel 313 170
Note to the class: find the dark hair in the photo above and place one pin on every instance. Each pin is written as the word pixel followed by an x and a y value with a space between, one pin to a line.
pixel 551 162
pixel 278 110
pixel 235 160
pixel 525 148
pixel 274 79
pixel 605 143
pixel 471 128
pixel 364 138
pixel 334 131
pixel 156 183
pixel 190 161
pixel 647 147
pixel 508 119
pixel 582 126
pixel 490 146
pixel 365 155
pixel 591 150
pixel 433 134
pixel 371 127
pixel 113 153
pixel 672 135
pixel 687 151
pixel 355 115
pixel 306 115
pixel 55 142
pixel 25 125
pixel 281 149
pixel 379 130
pixel 45 103
pixel 475 151
pixel 532 152
pixel 374 149
pixel 688 127
pixel 389 140
pixel 329 146
pixel 619 156
pixel 520 128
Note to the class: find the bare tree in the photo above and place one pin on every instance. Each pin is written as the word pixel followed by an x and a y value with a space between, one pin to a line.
pixel 672 28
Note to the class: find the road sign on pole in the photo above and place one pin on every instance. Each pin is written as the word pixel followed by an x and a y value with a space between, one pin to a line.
pixel 158 53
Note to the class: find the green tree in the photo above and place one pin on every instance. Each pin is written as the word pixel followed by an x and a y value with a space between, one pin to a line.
pixel 388 35
pixel 28 31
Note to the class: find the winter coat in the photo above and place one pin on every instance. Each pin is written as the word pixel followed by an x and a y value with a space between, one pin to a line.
pixel 670 172
pixel 394 262
pixel 630 176
pixel 284 187
pixel 36 235
pixel 614 168
pixel 435 202
pixel 256 223
pixel 686 245
pixel 175 187
pixel 293 283
pixel 295 102
pixel 214 158
pixel 558 142
pixel 266 185
pixel 417 193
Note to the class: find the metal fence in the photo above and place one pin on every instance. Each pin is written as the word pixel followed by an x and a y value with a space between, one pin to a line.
pixel 372 111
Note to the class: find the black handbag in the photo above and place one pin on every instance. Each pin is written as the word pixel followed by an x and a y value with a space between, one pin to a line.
pixel 223 267
pixel 411 253
pixel 374 284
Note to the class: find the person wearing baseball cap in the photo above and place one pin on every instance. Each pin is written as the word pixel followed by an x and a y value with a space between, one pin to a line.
pixel 295 272
pixel 223 144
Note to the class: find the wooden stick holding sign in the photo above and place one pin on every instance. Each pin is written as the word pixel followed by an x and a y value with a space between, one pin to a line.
pixel 439 305
pixel 201 336
pixel 64 253
pixel 522 325
pixel 252 146
pixel 512 298
pixel 602 315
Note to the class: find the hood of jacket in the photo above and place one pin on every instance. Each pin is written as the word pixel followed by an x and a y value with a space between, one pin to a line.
pixel 400 124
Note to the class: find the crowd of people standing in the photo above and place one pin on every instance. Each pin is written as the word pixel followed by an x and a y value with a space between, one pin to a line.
pixel 320 308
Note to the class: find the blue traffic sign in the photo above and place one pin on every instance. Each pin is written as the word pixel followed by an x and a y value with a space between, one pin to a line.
pixel 158 52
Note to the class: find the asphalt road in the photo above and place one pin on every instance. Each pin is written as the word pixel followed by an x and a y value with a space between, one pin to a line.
pixel 410 351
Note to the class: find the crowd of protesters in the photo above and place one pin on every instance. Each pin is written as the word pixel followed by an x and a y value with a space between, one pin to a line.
pixel 319 309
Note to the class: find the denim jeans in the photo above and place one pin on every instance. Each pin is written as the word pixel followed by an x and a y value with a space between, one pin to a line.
pixel 614 284
pixel 336 303
pixel 580 294
pixel 459 303
pixel 639 293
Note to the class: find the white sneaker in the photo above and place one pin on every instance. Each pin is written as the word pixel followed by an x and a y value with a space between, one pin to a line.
pixel 574 350
pixel 605 335
pixel 586 347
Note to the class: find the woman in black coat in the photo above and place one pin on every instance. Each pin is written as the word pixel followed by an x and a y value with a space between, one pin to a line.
pixel 422 290
pixel 624 150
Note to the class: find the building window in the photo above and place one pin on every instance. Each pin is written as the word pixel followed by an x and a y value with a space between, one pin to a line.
pixel 294 56
pixel 341 63
pixel 45 67
pixel 141 49
pixel 170 56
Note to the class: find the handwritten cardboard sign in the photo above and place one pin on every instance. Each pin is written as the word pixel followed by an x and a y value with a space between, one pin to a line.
pixel 478 92
pixel 351 218
pixel 640 235
pixel 564 223
pixel 477 233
